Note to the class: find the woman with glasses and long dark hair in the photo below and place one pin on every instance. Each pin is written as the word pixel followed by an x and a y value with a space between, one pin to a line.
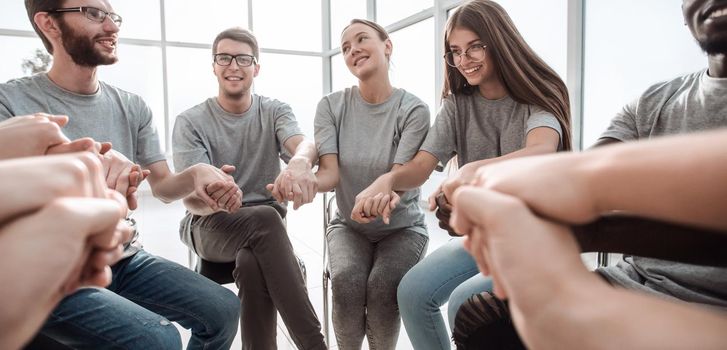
pixel 363 132
pixel 499 101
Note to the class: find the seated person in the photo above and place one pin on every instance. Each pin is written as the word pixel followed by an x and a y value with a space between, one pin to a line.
pixel 560 304
pixel 252 132
pixel 363 132
pixel 147 292
pixel 685 104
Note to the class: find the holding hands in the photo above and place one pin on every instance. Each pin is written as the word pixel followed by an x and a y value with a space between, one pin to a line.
pixel 216 187
pixel 296 183
pixel 377 200
pixel 72 209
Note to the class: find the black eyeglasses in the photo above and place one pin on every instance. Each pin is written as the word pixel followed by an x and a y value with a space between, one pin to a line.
pixel 92 13
pixel 225 59
pixel 476 53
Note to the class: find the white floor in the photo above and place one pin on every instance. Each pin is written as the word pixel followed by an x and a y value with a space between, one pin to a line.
pixel 159 224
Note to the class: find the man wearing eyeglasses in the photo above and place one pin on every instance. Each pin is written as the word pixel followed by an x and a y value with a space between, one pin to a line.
pixel 253 133
pixel 146 292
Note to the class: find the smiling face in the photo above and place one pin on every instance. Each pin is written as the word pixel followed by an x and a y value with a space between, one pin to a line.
pixel 364 52
pixel 707 20
pixel 475 72
pixel 235 81
pixel 88 43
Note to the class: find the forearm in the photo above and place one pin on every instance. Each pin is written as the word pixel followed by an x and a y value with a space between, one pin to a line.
pixel 597 316
pixel 305 152
pixel 412 174
pixel 327 180
pixel 174 186
pixel 680 179
pixel 46 262
pixel 691 245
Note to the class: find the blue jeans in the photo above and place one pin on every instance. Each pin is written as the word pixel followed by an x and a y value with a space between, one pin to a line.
pixel 449 273
pixel 134 312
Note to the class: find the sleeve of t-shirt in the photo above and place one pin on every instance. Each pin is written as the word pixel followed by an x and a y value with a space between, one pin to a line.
pixel 540 118
pixel 623 125
pixel 4 109
pixel 324 126
pixel 441 140
pixel 286 126
pixel 416 125
pixel 187 145
pixel 148 150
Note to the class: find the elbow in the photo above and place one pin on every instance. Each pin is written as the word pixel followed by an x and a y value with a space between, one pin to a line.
pixel 162 197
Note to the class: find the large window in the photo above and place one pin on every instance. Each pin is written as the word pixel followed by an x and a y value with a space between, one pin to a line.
pixel 200 21
pixel 412 61
pixel 389 12
pixel 288 24
pixel 628 51
pixel 342 12
pixel 295 80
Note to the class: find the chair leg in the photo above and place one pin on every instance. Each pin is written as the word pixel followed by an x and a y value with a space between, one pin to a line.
pixel 602 259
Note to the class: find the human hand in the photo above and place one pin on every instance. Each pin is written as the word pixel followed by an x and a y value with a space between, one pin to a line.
pixel 36 135
pixel 561 190
pixel 464 176
pixel 122 174
pixel 438 201
pixel 216 187
pixel 104 248
pixel 377 200
pixel 27 186
pixel 511 244
pixel 295 183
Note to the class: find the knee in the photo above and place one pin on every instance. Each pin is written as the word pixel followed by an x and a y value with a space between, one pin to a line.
pixel 266 215
pixel 458 297
pixel 413 291
pixel 223 314
pixel 161 335
pixel 347 282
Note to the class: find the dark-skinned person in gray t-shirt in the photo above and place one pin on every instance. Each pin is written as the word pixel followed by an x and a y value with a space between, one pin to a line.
pixel 253 133
pixel 500 101
pixel 361 133
pixel 147 293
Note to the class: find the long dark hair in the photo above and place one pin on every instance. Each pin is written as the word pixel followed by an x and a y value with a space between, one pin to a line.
pixel 527 78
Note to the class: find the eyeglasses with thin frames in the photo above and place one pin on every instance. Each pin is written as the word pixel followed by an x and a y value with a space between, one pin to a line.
pixel 476 53
pixel 92 13
pixel 225 59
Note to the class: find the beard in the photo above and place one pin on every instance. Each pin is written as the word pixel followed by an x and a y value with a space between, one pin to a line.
pixel 82 49
pixel 714 46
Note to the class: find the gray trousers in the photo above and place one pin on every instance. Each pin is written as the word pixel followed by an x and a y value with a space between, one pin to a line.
pixel 364 278
pixel 266 273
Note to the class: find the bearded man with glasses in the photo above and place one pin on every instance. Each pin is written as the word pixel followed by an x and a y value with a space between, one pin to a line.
pixel 147 293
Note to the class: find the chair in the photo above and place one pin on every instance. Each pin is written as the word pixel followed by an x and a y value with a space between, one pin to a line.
pixel 328 198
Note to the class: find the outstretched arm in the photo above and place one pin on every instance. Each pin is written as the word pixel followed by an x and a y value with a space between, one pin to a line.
pixel 297 182
pixel 560 304
pixel 678 179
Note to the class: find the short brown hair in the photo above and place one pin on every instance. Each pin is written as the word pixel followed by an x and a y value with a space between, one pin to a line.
pixel 35 6
pixel 240 35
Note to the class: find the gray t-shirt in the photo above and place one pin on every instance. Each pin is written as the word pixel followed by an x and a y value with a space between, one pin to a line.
pixel 109 115
pixel 252 141
pixel 475 128
pixel 690 103
pixel 369 139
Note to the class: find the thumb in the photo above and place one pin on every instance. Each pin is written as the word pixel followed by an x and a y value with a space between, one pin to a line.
pixel 228 169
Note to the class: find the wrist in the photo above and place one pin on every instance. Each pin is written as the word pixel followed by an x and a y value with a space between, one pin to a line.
pixel 300 161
